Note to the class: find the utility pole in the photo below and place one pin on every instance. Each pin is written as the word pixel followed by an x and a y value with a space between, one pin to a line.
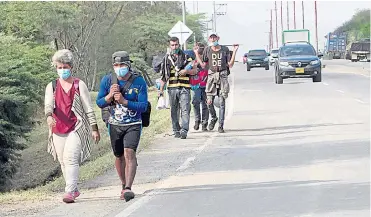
pixel 216 13
pixel 184 21
pixel 288 16
pixel 275 9
pixel 315 11
pixel 302 11
pixel 294 16
pixel 271 33
pixel 214 18
pixel 281 19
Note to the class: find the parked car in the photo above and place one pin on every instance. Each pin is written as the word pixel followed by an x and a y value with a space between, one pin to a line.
pixel 298 60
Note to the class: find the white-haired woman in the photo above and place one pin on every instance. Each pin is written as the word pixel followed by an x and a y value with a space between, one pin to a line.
pixel 71 121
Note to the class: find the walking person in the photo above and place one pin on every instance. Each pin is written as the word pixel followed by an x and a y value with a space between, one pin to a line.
pixel 199 98
pixel 71 120
pixel 219 61
pixel 174 73
pixel 127 99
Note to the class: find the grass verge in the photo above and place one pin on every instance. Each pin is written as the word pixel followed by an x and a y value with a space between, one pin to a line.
pixel 102 157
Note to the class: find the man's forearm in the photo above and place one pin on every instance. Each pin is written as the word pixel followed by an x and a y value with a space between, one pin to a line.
pixel 162 85
pixel 192 71
pixel 199 60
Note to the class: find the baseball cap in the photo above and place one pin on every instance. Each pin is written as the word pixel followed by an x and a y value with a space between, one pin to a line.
pixel 214 34
pixel 121 57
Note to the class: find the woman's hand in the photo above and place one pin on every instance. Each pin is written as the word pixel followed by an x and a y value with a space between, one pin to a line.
pixel 51 121
pixel 96 136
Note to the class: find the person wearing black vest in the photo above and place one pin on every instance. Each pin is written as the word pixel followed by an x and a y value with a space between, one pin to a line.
pixel 176 74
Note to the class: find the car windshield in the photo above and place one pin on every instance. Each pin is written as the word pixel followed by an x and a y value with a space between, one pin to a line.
pixel 257 53
pixel 274 51
pixel 300 50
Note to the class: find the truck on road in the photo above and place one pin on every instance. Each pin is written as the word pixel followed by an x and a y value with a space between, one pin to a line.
pixel 336 44
pixel 360 51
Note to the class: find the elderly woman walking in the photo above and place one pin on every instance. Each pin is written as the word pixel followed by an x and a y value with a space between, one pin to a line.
pixel 71 120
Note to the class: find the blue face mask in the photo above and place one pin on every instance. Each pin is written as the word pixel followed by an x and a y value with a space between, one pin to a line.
pixel 121 72
pixel 215 43
pixel 64 73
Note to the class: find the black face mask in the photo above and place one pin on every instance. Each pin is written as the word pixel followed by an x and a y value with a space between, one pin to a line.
pixel 200 50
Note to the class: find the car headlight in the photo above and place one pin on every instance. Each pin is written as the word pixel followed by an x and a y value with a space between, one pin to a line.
pixel 266 59
pixel 249 60
pixel 284 63
pixel 314 62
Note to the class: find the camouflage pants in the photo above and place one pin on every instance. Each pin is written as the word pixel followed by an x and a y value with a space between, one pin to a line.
pixel 217 84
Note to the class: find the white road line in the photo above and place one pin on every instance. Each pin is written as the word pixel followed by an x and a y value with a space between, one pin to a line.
pixel 186 164
pixel 324 83
pixel 360 101
pixel 340 91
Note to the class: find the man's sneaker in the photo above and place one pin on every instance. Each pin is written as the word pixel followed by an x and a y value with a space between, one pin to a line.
pixel 197 125
pixel 220 129
pixel 204 127
pixel 212 123
pixel 183 134
pixel 177 135
pixel 69 197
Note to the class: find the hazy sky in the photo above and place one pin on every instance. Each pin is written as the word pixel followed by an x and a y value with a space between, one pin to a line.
pixel 247 22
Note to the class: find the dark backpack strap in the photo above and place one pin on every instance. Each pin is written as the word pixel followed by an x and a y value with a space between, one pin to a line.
pixel 54 85
pixel 129 82
pixel 75 84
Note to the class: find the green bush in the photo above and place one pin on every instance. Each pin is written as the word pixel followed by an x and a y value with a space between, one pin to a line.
pixel 24 72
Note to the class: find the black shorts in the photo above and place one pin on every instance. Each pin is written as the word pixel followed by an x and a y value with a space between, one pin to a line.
pixel 124 137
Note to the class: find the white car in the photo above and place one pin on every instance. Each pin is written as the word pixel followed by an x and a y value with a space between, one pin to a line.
pixel 273 56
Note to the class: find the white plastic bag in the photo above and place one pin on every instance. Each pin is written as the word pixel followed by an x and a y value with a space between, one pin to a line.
pixel 161 103
pixel 167 101
pixel 216 102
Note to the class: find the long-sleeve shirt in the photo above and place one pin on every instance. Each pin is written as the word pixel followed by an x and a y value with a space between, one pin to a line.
pixel 136 95
pixel 84 96
pixel 83 110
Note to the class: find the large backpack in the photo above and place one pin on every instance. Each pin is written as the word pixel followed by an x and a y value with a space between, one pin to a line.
pixel 106 112
pixel 157 62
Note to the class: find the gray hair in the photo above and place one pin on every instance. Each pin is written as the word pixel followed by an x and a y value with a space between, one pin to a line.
pixel 64 56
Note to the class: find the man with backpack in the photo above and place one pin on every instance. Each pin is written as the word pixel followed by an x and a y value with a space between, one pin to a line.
pixel 219 61
pixel 174 72
pixel 125 95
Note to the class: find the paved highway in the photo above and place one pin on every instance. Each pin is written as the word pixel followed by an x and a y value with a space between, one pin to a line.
pixel 298 149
